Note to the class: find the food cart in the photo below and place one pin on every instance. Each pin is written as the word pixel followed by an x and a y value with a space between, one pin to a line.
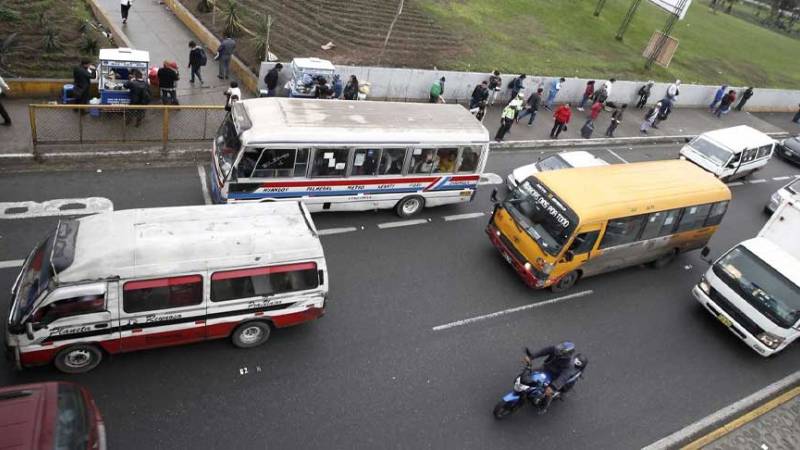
pixel 306 72
pixel 114 70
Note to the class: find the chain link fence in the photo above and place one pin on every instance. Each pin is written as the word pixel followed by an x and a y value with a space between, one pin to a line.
pixel 59 124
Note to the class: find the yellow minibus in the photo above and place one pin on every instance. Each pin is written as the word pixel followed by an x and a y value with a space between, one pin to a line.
pixel 559 226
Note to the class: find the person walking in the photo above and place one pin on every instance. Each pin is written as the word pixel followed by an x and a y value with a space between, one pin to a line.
pixel 139 95
pixel 717 98
pixel 82 77
pixel 351 88
pixel 3 89
pixel 796 118
pixel 506 120
pixel 224 55
pixel 271 79
pixel 588 92
pixel 673 91
pixel 437 91
pixel 516 85
pixel 479 94
pixel 232 95
pixel 167 77
pixel 650 117
pixel 533 102
pixel 494 85
pixel 337 86
pixel 197 59
pixel 644 94
pixel 745 97
pixel 555 86
pixel 125 6
pixel 561 117
pixel 616 119
pixel 588 128
pixel 725 104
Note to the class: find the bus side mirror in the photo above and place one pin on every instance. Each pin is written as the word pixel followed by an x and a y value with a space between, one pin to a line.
pixel 493 197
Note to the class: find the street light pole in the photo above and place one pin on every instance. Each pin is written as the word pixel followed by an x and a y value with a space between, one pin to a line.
pixel 600 5
pixel 627 19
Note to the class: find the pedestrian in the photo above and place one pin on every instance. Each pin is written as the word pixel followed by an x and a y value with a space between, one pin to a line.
pixel 506 120
pixel 717 98
pixel 644 94
pixel 197 59
pixel 616 119
pixel 517 103
pixel 3 89
pixel 600 95
pixel 725 104
pixel 650 117
pixel 606 90
pixel 673 91
pixel 139 95
pixel 232 95
pixel 479 111
pixel 125 6
pixel 533 102
pixel 745 97
pixel 351 88
pixel 594 112
pixel 82 76
pixel 588 92
pixel 494 85
pixel 555 86
pixel 271 79
pixel 224 55
pixel 167 78
pixel 323 90
pixel 437 91
pixel 517 85
pixel 561 117
pixel 479 94
pixel 337 86
pixel 796 118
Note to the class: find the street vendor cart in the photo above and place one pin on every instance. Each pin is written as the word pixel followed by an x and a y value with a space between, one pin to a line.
pixel 306 72
pixel 114 70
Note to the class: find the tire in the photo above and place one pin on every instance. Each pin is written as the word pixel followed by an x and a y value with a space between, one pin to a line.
pixel 409 206
pixel 79 358
pixel 251 334
pixel 502 410
pixel 566 282
pixel 664 261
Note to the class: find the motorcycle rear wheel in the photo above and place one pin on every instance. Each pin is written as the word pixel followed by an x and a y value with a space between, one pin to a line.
pixel 502 410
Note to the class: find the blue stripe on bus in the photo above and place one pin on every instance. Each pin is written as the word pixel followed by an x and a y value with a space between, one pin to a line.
pixel 298 194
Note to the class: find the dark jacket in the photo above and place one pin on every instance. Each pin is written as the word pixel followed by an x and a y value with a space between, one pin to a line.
pixel 196 56
pixel 560 368
pixel 82 78
pixel 351 91
pixel 139 92
pixel 271 78
pixel 517 85
pixel 747 94
pixel 167 78
pixel 495 81
pixel 479 94
pixel 729 98
pixel 533 102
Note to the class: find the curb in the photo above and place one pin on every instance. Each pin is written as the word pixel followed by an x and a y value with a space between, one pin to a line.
pixel 649 140
pixel 116 31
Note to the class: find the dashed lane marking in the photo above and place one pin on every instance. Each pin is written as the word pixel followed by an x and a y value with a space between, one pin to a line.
pixel 12 263
pixel 201 171
pixel 463 216
pixel 459 323
pixel 57 207
pixel 615 154
pixel 402 223
pixel 761 180
pixel 330 231
pixel 781 178
pixel 736 183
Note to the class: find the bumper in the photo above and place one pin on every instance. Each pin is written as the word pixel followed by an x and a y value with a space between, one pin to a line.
pixel 508 254
pixel 731 324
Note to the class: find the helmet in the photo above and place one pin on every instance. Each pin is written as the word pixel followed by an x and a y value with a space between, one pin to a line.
pixel 565 348
pixel 580 361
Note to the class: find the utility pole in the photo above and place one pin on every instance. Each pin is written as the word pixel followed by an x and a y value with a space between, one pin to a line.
pixel 599 7
pixel 627 19
pixel 662 40
pixel 269 27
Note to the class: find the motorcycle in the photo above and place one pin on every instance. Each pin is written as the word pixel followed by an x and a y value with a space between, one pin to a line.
pixel 530 386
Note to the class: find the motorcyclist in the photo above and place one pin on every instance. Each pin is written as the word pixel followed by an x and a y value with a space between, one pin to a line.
pixel 559 364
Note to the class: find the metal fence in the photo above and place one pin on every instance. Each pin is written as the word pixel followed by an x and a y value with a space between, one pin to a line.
pixel 59 124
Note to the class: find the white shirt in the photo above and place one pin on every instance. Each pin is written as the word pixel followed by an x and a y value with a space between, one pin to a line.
pixel 608 85
pixel 3 86
pixel 126 2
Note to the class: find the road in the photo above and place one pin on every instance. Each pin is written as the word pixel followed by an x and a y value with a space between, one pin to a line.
pixel 373 373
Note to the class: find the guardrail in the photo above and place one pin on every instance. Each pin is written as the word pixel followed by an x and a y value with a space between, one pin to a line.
pixel 59 124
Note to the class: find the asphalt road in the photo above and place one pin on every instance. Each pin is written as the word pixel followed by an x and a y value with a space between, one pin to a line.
pixel 373 373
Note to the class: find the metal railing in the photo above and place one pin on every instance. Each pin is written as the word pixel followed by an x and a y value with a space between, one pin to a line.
pixel 60 124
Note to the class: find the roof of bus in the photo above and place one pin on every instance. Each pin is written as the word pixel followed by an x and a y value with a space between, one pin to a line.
pixel 739 138
pixel 619 190
pixel 158 242
pixel 292 120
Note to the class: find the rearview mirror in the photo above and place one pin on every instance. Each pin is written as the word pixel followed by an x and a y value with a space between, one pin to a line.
pixel 493 198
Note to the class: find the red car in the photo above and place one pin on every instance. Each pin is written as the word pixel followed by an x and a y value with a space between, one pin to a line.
pixel 52 416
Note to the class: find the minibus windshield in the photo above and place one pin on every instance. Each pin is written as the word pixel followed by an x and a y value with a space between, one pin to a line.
pixel 543 216
pixel 711 151
pixel 227 144
pixel 33 280
pixel 760 285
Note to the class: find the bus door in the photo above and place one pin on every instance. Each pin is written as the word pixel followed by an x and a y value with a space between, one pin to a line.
pixel 580 251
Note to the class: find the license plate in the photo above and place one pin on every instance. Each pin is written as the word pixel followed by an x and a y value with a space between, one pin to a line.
pixel 725 321
pixel 507 257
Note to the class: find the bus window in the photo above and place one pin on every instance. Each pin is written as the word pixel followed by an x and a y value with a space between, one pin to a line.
pixel 622 231
pixel 693 217
pixel 301 162
pixel 447 160
pixel 469 159
pixel 365 161
pixel 422 160
pixel 659 224
pixel 244 169
pixel 392 161
pixel 717 211
pixel 330 162
pixel 275 162
pixel 584 242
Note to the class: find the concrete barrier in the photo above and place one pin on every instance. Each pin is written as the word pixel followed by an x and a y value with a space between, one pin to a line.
pixel 49 88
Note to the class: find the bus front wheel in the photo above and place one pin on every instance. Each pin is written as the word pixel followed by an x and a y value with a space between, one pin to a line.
pixel 565 282
pixel 409 206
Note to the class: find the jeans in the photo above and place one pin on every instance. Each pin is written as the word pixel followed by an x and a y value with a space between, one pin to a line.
pixel 124 10
pixel 271 92
pixel 528 112
pixel 196 72
pixel 169 96
pixel 505 126
pixel 583 100
pixel 713 105
pixel 551 97
pixel 611 127
pixel 557 127
pixel 224 66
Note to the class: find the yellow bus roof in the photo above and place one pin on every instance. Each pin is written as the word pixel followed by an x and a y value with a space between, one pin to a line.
pixel 620 190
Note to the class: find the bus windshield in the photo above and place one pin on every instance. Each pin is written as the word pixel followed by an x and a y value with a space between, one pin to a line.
pixel 227 145
pixel 760 285
pixel 711 151
pixel 543 216
pixel 33 280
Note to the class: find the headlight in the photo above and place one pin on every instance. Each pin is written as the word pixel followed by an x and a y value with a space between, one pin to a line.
pixel 683 158
pixel 704 286
pixel 528 266
pixel 497 233
pixel 776 197
pixel 770 340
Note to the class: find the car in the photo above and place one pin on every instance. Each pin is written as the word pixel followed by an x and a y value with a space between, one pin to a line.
pixel 789 191
pixel 565 160
pixel 789 149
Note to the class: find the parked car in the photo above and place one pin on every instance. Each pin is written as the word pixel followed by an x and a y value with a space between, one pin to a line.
pixel 50 416
pixel 789 149
pixel 565 160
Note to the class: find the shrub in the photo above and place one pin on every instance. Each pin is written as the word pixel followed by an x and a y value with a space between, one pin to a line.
pixel 9 15
pixel 205 6
pixel 90 44
pixel 51 41
pixel 232 18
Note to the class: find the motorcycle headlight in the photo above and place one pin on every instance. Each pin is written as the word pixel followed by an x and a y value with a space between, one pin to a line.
pixel 704 286
pixel 770 340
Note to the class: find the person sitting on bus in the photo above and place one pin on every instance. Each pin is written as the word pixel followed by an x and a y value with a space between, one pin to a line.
pixel 245 167
pixel 426 162
pixel 448 163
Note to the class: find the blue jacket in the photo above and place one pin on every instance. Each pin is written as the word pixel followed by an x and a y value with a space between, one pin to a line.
pixel 720 93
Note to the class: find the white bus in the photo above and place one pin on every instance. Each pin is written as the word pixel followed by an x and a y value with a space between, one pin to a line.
pixel 347 155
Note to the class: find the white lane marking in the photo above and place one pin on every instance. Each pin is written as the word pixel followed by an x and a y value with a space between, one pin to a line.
pixel 781 178
pixel 618 157
pixel 760 180
pixel 57 207
pixel 459 323
pixel 463 216
pixel 402 223
pixel 681 437
pixel 330 231
pixel 490 178
pixel 201 172
pixel 736 183
pixel 11 263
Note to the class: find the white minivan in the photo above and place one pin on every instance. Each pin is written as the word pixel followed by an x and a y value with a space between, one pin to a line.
pixel 564 160
pixel 730 153
pixel 788 192
pixel 144 278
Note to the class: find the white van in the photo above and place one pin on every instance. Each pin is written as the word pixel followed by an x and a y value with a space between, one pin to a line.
pixel 145 278
pixel 730 153
pixel 564 160
pixel 788 192
pixel 306 72
pixel 754 288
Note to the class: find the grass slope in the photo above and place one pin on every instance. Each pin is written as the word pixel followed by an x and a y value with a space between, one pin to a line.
pixel 562 37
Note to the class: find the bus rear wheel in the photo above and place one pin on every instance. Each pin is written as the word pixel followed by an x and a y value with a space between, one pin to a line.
pixel 565 282
pixel 409 206
pixel 250 334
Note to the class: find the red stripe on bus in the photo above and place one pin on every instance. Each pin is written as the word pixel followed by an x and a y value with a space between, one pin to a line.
pixel 466 178
pixel 350 182
pixel 262 271
pixel 162 282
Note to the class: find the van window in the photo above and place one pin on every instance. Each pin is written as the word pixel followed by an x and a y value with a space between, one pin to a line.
pixel 330 162
pixel 365 161
pixel 275 162
pixel 659 224
pixel 622 231
pixel 693 217
pixel 162 293
pixel 86 304
pixel 764 151
pixel 749 155
pixel 716 154
pixel 392 161
pixel 717 211
pixel 263 281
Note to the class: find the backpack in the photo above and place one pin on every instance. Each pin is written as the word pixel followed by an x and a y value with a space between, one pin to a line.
pixel 203 56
